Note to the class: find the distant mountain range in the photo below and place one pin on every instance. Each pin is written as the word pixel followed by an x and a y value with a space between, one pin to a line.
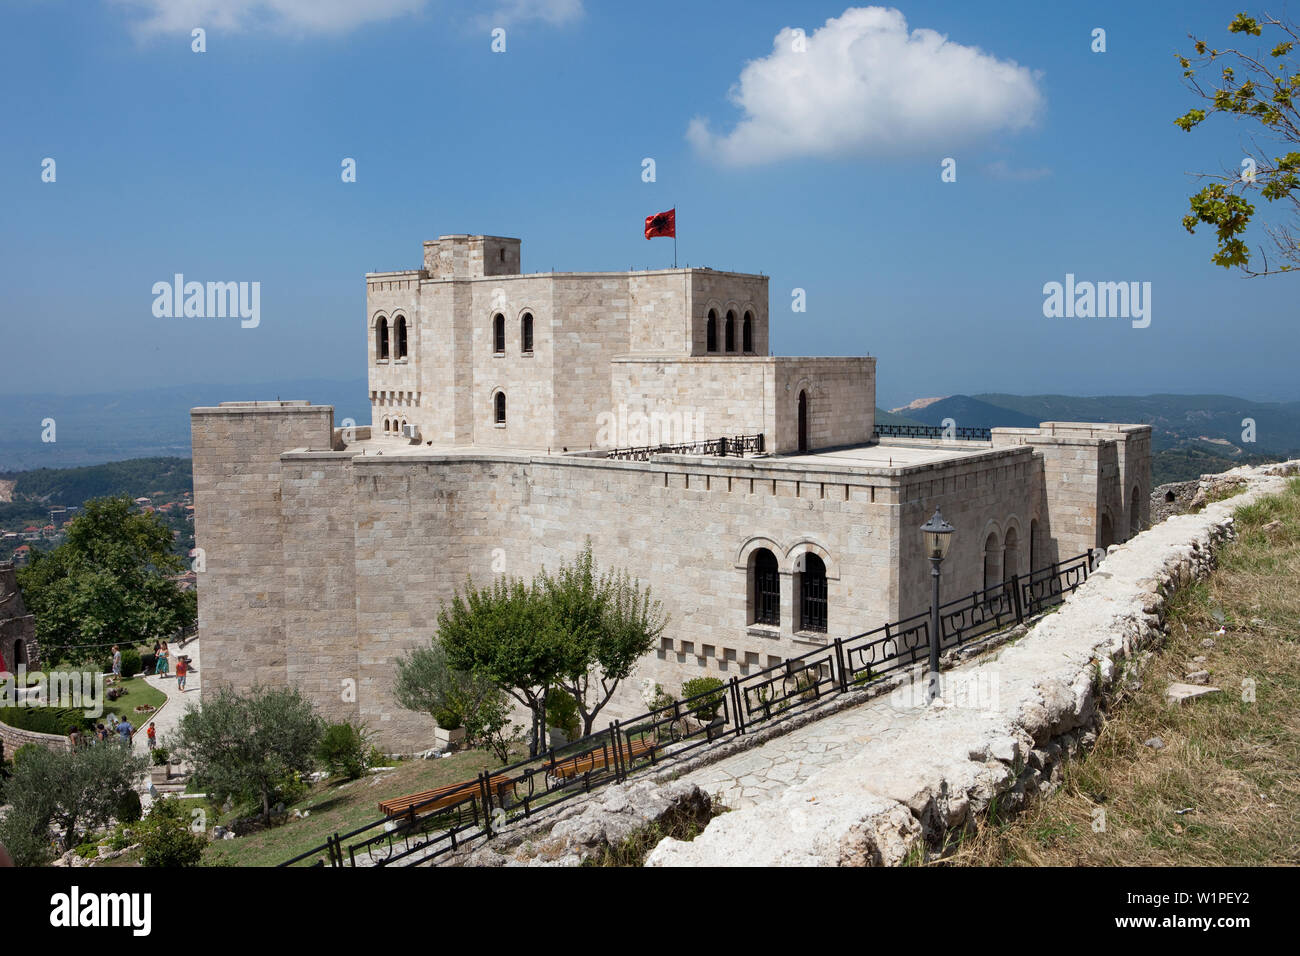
pixel 145 423
pixel 1190 434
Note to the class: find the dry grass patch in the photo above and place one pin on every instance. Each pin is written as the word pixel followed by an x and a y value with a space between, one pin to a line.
pixel 1225 788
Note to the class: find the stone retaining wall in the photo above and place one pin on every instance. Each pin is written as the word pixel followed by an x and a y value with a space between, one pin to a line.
pixel 14 738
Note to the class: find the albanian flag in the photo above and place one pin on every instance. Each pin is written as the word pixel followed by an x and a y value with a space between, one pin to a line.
pixel 661 224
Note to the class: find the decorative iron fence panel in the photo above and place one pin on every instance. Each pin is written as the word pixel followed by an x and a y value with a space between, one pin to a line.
pixel 960 433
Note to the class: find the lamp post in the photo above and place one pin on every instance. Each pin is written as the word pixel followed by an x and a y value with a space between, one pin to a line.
pixel 936 534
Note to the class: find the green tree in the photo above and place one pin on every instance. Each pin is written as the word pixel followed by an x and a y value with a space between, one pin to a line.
pixel 250 746
pixel 1261 87
pixel 71 791
pixel 502 633
pixel 109 582
pixel 606 624
pixel 427 683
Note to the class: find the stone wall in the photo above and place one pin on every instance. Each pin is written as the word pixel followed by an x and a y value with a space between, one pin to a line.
pixel 14 738
pixel 239 523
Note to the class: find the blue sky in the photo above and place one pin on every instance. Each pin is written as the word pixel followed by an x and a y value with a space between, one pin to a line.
pixel 225 165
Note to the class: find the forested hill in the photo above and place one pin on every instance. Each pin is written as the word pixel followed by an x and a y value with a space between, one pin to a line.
pixel 28 495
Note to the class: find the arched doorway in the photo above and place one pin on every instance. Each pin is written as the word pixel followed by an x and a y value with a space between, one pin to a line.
pixel 1010 554
pixel 20 653
pixel 992 561
pixel 803 420
pixel 1107 535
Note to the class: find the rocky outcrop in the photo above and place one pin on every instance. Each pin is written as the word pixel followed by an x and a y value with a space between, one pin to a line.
pixel 894 795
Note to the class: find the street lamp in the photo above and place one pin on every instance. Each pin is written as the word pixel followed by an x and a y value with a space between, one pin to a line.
pixel 936 534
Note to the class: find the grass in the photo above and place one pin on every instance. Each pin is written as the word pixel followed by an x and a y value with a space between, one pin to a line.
pixel 138 694
pixel 340 806
pixel 1223 789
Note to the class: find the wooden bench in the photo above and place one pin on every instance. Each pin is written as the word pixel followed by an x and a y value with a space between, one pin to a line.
pixel 599 759
pixel 431 801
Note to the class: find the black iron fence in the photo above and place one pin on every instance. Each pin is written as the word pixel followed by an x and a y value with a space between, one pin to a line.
pixel 677 729
pixel 960 433
pixel 736 447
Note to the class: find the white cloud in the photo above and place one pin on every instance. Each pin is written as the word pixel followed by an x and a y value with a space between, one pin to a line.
pixel 317 16
pixel 864 85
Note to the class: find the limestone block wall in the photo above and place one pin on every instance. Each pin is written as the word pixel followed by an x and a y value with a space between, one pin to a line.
pixel 727 291
pixel 659 312
pixel 591 327
pixel 239 524
pixel 717 396
pixel 841 401
pixel 319 568
pixel 991 493
pixel 395 389
pixel 526 379
pixel 13 738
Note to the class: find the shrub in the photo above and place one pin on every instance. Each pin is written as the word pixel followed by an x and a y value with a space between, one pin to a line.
pixel 706 708
pixel 45 720
pixel 343 749
pixel 26 751
pixel 88 851
pixel 562 713
pixel 166 838
pixel 129 809
pixel 449 717
pixel 160 756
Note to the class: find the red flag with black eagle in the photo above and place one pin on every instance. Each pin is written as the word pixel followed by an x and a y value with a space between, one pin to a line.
pixel 661 224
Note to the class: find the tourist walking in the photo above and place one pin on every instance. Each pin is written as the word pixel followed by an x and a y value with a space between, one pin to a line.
pixel 162 663
pixel 117 664
pixel 125 730
pixel 182 668
pixel 152 735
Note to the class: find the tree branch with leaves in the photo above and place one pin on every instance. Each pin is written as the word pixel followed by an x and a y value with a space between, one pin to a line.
pixel 1258 87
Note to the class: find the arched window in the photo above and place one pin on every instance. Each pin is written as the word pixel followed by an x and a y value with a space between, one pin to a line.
pixel 766 588
pixel 711 332
pixel 526 333
pixel 1010 554
pixel 812 593
pixel 400 331
pixel 499 408
pixel 747 333
pixel 499 333
pixel 381 338
pixel 992 561
pixel 386 425
pixel 731 332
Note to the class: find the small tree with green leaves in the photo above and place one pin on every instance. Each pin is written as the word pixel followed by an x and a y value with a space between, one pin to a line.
pixel 503 633
pixel 606 624
pixel 250 746
pixel 71 791
pixel 1261 87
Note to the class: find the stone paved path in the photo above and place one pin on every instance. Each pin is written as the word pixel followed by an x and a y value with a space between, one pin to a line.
pixel 167 718
pixel 758 775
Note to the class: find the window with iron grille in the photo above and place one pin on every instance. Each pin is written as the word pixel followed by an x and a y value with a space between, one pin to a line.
pixel 767 589
pixel 812 595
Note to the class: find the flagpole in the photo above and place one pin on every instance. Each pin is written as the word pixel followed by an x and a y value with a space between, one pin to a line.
pixel 674 235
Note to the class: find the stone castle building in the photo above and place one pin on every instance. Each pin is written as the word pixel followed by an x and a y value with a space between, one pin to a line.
pixel 496 397
pixel 17 626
